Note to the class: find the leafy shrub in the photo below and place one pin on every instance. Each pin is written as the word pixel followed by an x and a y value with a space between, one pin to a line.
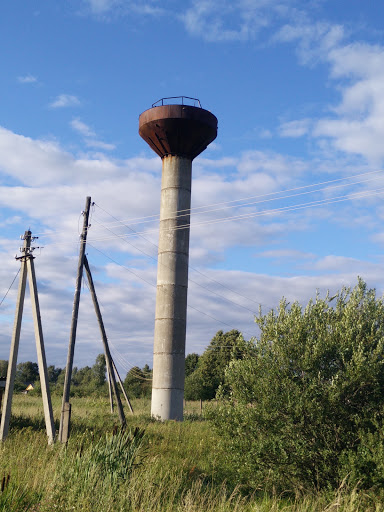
pixel 306 408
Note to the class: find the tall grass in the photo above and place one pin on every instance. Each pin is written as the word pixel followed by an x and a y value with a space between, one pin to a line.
pixel 151 466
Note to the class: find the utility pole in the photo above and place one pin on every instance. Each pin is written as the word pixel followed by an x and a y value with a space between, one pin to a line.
pixel 27 268
pixel 65 410
pixel 66 406
pixel 108 357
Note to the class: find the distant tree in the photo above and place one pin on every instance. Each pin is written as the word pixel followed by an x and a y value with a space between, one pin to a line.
pixel 191 363
pixel 223 348
pixel 3 367
pixel 138 382
pixel 85 381
pixel 209 368
pixel 27 372
pixel 82 376
pixel 147 371
pixel 53 373
pixel 58 389
pixel 99 369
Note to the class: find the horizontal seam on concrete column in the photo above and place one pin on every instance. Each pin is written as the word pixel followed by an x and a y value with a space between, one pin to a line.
pixel 169 318
pixel 172 284
pixel 180 389
pixel 177 188
pixel 168 353
pixel 168 219
pixel 173 252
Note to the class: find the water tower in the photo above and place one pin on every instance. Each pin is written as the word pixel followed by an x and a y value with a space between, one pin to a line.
pixel 178 133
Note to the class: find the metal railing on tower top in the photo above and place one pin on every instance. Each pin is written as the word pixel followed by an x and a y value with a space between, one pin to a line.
pixel 158 103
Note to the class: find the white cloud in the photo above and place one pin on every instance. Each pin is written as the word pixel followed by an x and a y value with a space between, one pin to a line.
pixel 285 254
pixel 344 264
pixel 214 146
pixel 100 6
pixel 27 79
pixel 354 125
pixel 82 128
pixel 65 100
pixel 265 134
pixel 314 40
pixel 275 166
pixel 296 128
pixel 100 145
pixel 146 7
pixel 16 219
pixel 237 20
pixel 89 136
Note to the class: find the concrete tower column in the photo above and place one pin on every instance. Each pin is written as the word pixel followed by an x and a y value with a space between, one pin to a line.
pixel 172 284
pixel 177 133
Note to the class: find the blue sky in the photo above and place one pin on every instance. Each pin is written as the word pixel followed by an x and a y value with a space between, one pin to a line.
pixel 297 88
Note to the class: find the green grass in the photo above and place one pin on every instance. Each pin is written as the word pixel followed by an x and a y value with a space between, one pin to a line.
pixel 174 467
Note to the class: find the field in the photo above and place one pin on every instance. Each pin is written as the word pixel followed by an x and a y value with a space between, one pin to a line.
pixel 157 467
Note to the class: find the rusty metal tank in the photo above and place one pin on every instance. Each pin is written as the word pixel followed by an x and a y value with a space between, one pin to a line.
pixel 177 129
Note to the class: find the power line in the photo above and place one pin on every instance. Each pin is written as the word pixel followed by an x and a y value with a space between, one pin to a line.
pixel 151 284
pixel 127 365
pixel 290 190
pixel 110 342
pixel 189 279
pixel 121 265
pixel 180 213
pixel 319 202
pixel 284 209
pixel 10 286
pixel 261 213
pixel 156 216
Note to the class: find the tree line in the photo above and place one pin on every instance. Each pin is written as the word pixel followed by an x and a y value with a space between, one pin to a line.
pixel 204 373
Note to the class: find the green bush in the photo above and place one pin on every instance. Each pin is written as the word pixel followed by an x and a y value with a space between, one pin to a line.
pixel 306 409
pixel 193 386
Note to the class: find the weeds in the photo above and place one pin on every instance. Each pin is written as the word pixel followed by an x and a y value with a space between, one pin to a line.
pixel 172 467
pixel 112 457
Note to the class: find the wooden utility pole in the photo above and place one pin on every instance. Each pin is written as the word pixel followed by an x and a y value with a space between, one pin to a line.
pixel 27 268
pixel 65 409
pixel 66 406
pixel 108 357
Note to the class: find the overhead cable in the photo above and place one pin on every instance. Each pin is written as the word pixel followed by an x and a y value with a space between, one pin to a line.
pixel 284 209
pixel 189 279
pixel 155 217
pixel 153 285
pixel 10 286
pixel 184 213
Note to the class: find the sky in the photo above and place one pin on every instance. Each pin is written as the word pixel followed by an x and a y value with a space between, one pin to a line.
pixel 286 202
